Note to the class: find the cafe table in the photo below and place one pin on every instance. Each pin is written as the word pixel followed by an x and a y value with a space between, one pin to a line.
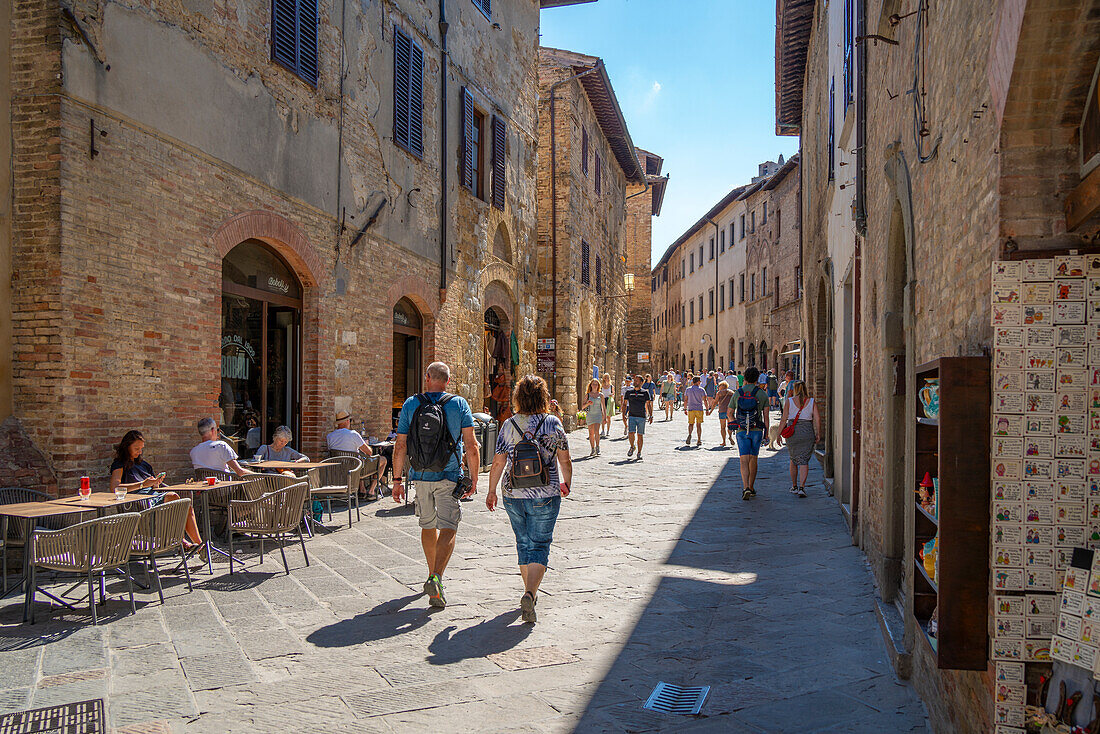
pixel 283 465
pixel 27 513
pixel 202 489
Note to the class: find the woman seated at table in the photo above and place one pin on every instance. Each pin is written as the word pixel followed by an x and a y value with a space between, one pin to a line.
pixel 278 450
pixel 133 472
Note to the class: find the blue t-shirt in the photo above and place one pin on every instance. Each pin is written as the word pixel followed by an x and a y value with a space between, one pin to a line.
pixel 459 416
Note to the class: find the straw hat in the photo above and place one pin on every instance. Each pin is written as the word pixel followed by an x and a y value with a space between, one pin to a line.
pixel 342 415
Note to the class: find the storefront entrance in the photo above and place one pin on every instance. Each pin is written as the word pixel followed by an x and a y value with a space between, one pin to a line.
pixel 408 337
pixel 260 347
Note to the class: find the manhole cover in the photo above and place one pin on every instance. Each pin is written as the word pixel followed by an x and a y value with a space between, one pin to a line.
pixel 84 717
pixel 671 699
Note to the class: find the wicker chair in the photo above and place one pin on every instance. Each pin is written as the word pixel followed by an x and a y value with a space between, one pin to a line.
pixel 160 532
pixel 274 515
pixel 339 477
pixel 12 534
pixel 87 548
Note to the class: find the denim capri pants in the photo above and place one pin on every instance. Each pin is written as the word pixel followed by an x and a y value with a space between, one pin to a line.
pixel 533 522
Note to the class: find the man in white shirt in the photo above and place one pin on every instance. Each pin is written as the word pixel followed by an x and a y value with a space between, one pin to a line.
pixel 345 439
pixel 214 453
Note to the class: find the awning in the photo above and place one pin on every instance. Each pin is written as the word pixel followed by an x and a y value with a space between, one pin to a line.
pixel 795 347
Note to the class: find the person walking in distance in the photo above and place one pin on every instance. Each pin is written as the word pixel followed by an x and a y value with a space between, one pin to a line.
pixel 434 430
pixel 722 404
pixel 773 391
pixel 530 448
pixel 750 421
pixel 800 410
pixel 668 394
pixel 607 391
pixel 695 402
pixel 626 385
pixel 638 406
pixel 593 407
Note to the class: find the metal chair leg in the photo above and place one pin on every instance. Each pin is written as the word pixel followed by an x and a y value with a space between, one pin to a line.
pixel 186 570
pixel 91 599
pixel 302 540
pixel 130 585
pixel 349 510
pixel 261 551
pixel 32 580
pixel 230 550
pixel 282 545
pixel 156 575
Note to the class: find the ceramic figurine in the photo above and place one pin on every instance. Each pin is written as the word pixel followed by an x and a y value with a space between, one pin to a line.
pixel 930 397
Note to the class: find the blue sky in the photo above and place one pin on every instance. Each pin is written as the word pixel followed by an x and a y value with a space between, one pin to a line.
pixel 696 82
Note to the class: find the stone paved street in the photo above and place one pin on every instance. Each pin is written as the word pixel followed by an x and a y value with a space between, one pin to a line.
pixel 660 572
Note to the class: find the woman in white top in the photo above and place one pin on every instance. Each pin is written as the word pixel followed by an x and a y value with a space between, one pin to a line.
pixel 593 405
pixel 800 409
pixel 607 392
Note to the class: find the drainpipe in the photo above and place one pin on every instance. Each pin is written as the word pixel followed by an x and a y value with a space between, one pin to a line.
pixel 443 26
pixel 554 213
pixel 716 312
pixel 861 231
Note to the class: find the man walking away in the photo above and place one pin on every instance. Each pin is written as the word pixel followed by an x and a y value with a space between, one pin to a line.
pixel 750 420
pixel 695 402
pixel 638 404
pixel 773 391
pixel 434 430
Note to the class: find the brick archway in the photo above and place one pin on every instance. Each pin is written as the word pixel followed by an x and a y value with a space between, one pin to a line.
pixel 277 231
pixel 416 290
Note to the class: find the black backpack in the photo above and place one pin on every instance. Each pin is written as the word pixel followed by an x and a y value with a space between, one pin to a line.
pixel 528 468
pixel 431 444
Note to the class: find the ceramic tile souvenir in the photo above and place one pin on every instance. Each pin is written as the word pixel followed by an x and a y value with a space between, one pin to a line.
pixel 1008 511
pixel 1011 337
pixel 1092 422
pixel 1040 605
pixel 1071 337
pixel 1009 359
pixel 1008 402
pixel 1039 513
pixel 1068 490
pixel 1039 380
pixel 1007 469
pixel 1089 631
pixel 1011 532
pixel 1069 266
pixel 1008 556
pixel 1041 359
pixel 1092 315
pixel 1093 446
pixel 1032 314
pixel 1093 540
pixel 1092 464
pixel 1094 353
pixel 1072 379
pixel 1037 650
pixel 1036 447
pixel 1012 606
pixel 1039 628
pixel 1071 536
pixel 1038 337
pixel 1040 425
pixel 1038 557
pixel 1038 579
pixel 1091 609
pixel 1005 714
pixel 1039 402
pixel 1009 672
pixel 1070 424
pixel 1008 649
pixel 1012 269
pixel 1092 286
pixel 1010 315
pixel 1006 729
pixel 1070 513
pixel 1006 447
pixel 1069 469
pixel 1092 266
pixel 1076 579
pixel 1009 627
pixel 1008 381
pixel 1008 425
pixel 1059 573
pixel 1069 446
pixel 1069 626
pixel 1039 491
pixel 1008 579
pixel 1036 469
pixel 1009 694
pixel 1007 292
pixel 1032 293
pixel 1064 290
pixel 1092 398
pixel 1062 558
pixel 1084 656
pixel 1071 602
pixel 1070 401
pixel 1039 269
pixel 1092 512
pixel 1010 491
pixel 1041 536
pixel 1071 312
pixel 1092 484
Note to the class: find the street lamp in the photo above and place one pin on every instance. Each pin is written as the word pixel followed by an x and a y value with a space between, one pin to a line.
pixel 628 286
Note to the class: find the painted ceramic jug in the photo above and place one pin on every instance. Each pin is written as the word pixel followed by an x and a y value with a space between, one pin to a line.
pixel 930 397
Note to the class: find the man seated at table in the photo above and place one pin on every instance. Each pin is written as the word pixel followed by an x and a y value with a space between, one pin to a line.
pixel 344 439
pixel 214 453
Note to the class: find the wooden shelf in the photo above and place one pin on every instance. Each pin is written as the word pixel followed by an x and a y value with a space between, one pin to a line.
pixel 928 421
pixel 928 579
pixel 928 515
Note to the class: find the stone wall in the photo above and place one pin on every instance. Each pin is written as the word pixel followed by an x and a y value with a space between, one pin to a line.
pixel 637 245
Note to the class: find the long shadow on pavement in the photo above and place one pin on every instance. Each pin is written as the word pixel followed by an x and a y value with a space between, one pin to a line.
pixel 386 620
pixel 483 639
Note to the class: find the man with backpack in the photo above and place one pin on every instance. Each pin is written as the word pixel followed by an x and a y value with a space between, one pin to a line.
pixel 749 423
pixel 434 430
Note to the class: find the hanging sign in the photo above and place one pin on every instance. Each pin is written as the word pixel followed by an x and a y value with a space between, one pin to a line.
pixel 546 359
pixel 643 357
pixel 546 344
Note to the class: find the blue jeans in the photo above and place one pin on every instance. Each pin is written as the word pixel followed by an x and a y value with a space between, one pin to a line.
pixel 748 442
pixel 636 424
pixel 533 522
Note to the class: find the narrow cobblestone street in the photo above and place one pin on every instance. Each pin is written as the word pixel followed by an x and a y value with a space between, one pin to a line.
pixel 660 572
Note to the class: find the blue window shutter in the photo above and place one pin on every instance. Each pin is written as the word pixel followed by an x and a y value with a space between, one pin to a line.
pixel 307 40
pixel 499 167
pixel 294 36
pixel 467 140
pixel 402 46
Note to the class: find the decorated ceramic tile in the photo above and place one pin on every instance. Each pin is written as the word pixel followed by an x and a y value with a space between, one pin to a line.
pixel 1037 650
pixel 1070 513
pixel 1009 694
pixel 1069 469
pixel 1068 490
pixel 1008 425
pixel 1008 447
pixel 1070 424
pixel 1092 464
pixel 1060 649
pixel 1084 656
pixel 1039 579
pixel 1092 287
pixel 1092 265
pixel 1005 714
pixel 1038 337
pixel 1032 293
pixel 1007 292
pixel 1039 269
pixel 1008 579
pixel 1037 469
pixel 1090 631
pixel 1041 536
pixel 1076 579
pixel 1007 729
pixel 1040 425
pixel 1012 606
pixel 1008 381
pixel 1040 605
pixel 1005 337
pixel 1008 511
pixel 1093 540
pixel 1072 401
pixel 1094 353
pixel 1039 380
pixel 1035 490
pixel 1011 626
pixel 1009 672
pixel 1012 269
pixel 1037 557
pixel 1092 422
pixel 1008 649
pixel 1069 446
pixel 1007 469
pixel 1039 513
pixel 1093 486
pixel 1071 602
pixel 1069 266
pixel 1071 535
pixel 1069 626
pixel 1037 447
pixel 1071 312
pixel 1092 315
pixel 1067 289
pixel 1092 511
pixel 1093 398
pixel 1010 491
pixel 1071 337
pixel 1008 556
pixel 1069 379
pixel 1007 315
pixel 1062 558
pixel 1012 532
pixel 1039 628
pixel 1032 314
pixel 1009 359
pixel 1041 359
pixel 1008 402
pixel 1091 607
pixel 1039 402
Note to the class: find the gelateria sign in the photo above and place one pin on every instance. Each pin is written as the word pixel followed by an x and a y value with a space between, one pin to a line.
pixel 237 355
pixel 277 284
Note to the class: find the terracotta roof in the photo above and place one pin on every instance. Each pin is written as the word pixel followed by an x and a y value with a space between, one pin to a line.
pixel 657 188
pixel 601 95
pixel 652 164
pixel 793 21
pixel 561 3
pixel 703 221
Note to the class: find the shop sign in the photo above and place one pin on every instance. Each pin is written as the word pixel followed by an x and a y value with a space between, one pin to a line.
pixel 550 344
pixel 237 354
pixel 643 357
pixel 546 359
pixel 278 284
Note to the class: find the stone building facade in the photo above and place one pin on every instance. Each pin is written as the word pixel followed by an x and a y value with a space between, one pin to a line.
pixel 666 310
pixel 642 204
pixel 586 163
pixel 981 162
pixel 210 217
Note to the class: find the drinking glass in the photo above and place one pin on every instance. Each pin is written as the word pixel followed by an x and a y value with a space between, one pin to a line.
pixel 120 492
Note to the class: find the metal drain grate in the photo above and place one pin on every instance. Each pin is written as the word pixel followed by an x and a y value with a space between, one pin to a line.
pixel 671 699
pixel 85 717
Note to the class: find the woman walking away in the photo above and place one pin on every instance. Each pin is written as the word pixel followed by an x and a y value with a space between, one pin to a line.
pixel 800 410
pixel 530 448
pixel 722 403
pixel 593 407
pixel 668 393
pixel 608 394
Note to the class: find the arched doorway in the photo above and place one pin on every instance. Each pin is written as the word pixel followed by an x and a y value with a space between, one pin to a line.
pixel 261 346
pixel 750 359
pixel 763 355
pixel 710 358
pixel 732 360
pixel 408 350
pixel 497 363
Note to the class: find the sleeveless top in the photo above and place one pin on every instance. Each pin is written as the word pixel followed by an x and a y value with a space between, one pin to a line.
pixel 792 411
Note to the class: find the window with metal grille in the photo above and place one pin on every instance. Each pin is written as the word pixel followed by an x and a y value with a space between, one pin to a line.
pixel 484 6
pixel 849 48
pixel 599 275
pixel 499 169
pixel 584 263
pixel 599 167
pixel 408 93
pixel 294 36
pixel 584 151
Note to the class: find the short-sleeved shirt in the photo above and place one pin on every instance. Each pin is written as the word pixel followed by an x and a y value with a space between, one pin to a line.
pixel 635 400
pixel 740 381
pixel 266 453
pixel 651 388
pixel 459 416
pixel 724 401
pixel 139 471
pixel 213 455
pixel 761 396
pixel 344 439
pixel 548 433
pixel 711 388
pixel 773 384
pixel 695 398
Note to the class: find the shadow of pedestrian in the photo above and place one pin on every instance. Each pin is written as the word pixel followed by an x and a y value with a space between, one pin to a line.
pixel 485 638
pixel 386 620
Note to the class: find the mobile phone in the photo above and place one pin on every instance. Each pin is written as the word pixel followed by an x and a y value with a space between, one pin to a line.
pixel 162 475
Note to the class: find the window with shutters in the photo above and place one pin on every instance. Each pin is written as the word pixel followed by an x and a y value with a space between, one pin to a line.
pixel 294 36
pixel 599 166
pixel 473 127
pixel 584 263
pixel 408 93
pixel 499 168
pixel 711 248
pixel 721 242
pixel 742 226
pixel 584 151
pixel 484 6
pixel 710 300
pixel 742 293
pixel 599 275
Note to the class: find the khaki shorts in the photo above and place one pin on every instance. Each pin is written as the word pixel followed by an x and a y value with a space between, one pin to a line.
pixel 436 506
pixel 695 416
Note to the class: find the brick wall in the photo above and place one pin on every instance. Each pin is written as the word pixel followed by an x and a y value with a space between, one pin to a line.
pixel 638 242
